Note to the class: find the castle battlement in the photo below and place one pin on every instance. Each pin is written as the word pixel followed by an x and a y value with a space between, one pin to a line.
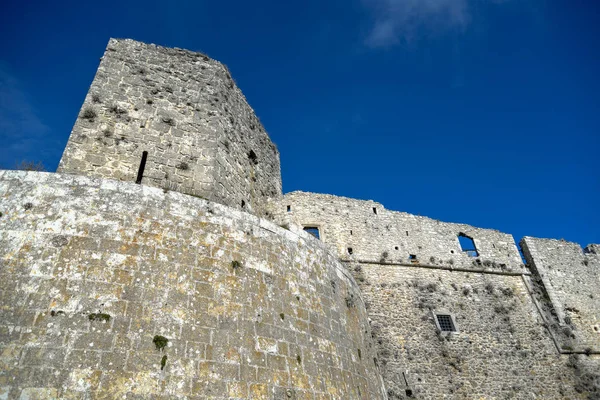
pixel 163 261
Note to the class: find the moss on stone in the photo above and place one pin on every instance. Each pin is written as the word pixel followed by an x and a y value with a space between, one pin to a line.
pixel 57 313
pixel 160 342
pixel 89 113
pixel 99 317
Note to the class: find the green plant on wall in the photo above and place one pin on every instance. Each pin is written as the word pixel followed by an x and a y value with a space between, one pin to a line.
pixel 160 342
pixel 99 317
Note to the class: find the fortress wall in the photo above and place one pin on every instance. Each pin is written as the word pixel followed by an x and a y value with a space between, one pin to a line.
pixel 502 350
pixel 185 110
pixel 392 236
pixel 571 279
pixel 288 322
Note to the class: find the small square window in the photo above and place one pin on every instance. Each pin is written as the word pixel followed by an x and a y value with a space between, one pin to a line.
pixel 313 230
pixel 349 250
pixel 445 323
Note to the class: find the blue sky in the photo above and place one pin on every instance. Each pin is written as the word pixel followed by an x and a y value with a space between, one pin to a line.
pixel 477 111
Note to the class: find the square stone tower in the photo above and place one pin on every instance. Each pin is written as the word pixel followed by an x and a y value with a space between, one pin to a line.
pixel 173 119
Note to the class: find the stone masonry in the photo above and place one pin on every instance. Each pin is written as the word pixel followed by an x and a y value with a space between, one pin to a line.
pixel 562 266
pixel 163 261
pixel 183 109
pixel 93 270
pixel 410 268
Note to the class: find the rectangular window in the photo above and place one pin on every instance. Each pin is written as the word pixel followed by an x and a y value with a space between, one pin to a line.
pixel 289 208
pixel 467 245
pixel 313 230
pixel 445 323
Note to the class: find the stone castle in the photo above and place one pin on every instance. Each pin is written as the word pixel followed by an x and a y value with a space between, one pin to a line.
pixel 163 261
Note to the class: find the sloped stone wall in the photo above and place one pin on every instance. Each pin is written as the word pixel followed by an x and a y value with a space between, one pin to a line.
pixel 186 112
pixel 570 278
pixel 94 271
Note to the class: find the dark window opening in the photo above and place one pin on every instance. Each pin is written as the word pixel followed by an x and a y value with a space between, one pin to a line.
pixel 252 157
pixel 395 247
pixel 351 232
pixel 409 393
pixel 313 230
pixel 243 204
pixel 413 258
pixel 140 174
pixel 374 210
pixel 452 251
pixel 289 208
pixel 445 322
pixel 406 233
pixel 349 250
pixel 467 245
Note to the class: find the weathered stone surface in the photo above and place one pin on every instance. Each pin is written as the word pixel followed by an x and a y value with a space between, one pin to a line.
pixel 376 234
pixel 505 347
pixel 185 110
pixel 569 277
pixel 110 289
pixel 150 263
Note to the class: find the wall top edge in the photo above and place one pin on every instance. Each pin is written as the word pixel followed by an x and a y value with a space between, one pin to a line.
pixel 216 209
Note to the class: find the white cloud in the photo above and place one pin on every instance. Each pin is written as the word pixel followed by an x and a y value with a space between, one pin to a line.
pixel 397 21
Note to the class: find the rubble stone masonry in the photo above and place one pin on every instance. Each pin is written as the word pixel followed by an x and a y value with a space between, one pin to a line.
pixel 163 261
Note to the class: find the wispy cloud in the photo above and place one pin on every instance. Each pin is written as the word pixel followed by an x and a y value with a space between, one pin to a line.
pixel 21 130
pixel 397 21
